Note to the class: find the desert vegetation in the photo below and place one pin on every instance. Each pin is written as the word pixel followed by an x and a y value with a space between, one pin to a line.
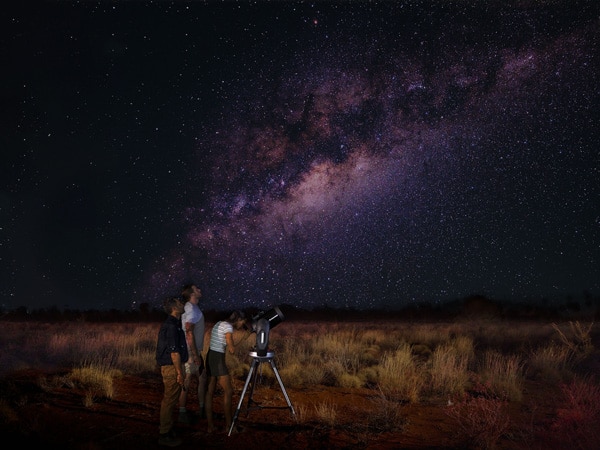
pixel 476 371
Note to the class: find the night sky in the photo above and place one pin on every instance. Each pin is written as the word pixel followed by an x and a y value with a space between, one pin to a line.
pixel 345 154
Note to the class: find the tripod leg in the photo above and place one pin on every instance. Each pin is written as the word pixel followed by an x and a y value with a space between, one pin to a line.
pixel 254 381
pixel 287 399
pixel 237 411
pixel 254 378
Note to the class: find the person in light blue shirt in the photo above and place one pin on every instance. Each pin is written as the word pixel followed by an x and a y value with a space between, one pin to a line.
pixel 192 321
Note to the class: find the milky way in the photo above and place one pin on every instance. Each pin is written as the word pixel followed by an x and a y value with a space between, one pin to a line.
pixel 344 154
pixel 404 158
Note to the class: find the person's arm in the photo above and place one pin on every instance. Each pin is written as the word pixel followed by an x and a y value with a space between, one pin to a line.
pixel 191 342
pixel 176 358
pixel 230 345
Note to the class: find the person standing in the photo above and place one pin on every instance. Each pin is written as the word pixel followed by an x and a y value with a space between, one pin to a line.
pixel 221 340
pixel 192 322
pixel 171 355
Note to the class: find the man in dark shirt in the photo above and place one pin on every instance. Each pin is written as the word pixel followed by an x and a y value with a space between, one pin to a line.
pixel 171 355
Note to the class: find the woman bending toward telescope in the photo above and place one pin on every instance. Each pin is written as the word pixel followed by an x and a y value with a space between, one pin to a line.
pixel 221 340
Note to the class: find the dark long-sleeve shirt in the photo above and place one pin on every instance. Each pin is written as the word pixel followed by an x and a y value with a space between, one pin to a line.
pixel 171 339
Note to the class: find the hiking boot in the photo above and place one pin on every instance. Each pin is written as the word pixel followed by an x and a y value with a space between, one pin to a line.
pixel 169 439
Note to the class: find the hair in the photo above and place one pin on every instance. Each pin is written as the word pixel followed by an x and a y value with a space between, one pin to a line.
pixel 235 316
pixel 186 291
pixel 170 303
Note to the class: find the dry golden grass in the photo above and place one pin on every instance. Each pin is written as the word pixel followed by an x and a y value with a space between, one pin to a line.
pixel 503 374
pixel 577 338
pixel 448 370
pixel 326 413
pixel 96 379
pixel 550 362
pixel 402 361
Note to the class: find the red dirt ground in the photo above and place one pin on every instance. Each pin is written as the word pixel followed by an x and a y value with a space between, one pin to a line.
pixel 56 418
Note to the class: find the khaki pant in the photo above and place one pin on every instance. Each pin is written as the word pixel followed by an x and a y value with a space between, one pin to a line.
pixel 170 398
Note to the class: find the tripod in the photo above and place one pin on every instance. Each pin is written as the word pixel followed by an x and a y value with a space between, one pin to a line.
pixel 252 376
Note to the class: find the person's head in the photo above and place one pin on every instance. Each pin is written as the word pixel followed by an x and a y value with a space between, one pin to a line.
pixel 173 306
pixel 190 292
pixel 237 319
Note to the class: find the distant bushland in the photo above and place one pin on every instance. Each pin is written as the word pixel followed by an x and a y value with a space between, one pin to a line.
pixel 469 307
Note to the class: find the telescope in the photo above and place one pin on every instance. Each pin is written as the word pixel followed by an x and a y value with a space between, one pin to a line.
pixel 261 324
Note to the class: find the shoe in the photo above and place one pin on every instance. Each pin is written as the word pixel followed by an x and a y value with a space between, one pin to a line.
pixel 169 439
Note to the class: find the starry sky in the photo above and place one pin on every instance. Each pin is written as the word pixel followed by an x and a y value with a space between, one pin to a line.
pixel 348 154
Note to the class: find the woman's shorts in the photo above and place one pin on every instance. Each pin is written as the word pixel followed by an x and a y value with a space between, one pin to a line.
pixel 215 364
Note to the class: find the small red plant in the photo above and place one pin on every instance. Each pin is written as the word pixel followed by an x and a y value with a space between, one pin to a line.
pixel 576 422
pixel 482 418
